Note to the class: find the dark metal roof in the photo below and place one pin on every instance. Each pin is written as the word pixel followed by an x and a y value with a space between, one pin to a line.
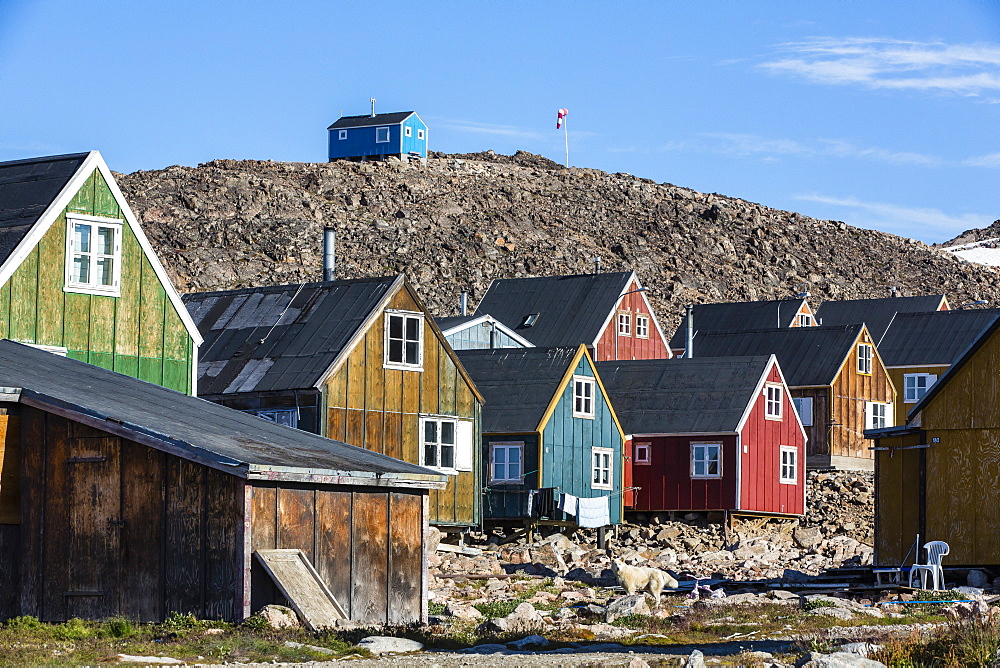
pixel 365 121
pixel 808 356
pixel 188 426
pixel 734 316
pixel 571 309
pixel 705 395
pixel 449 322
pixel 517 384
pixel 280 337
pixel 27 188
pixel 938 337
pixel 875 313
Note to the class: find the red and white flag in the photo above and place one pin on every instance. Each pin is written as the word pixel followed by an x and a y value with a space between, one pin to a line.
pixel 560 117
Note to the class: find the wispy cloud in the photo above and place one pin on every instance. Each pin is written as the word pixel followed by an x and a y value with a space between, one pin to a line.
pixel 931 225
pixel 491 129
pixel 768 148
pixel 964 69
pixel 991 161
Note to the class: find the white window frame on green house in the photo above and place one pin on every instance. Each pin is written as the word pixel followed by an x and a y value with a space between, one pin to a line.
pixel 403 358
pixel 878 415
pixel 584 388
pixel 789 463
pixel 865 355
pixel 804 407
pixel 602 468
pixel 912 390
pixel 84 253
pixel 702 459
pixel 505 464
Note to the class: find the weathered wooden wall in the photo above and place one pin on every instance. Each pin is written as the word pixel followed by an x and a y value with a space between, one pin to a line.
pixel 366 544
pixel 138 334
pixel 817 434
pixel 897 500
pixel 850 391
pixel 896 376
pixel 611 346
pixel 379 409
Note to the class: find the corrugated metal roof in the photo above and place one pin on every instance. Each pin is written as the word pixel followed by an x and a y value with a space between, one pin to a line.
pixel 281 337
pixel 875 313
pixel 450 322
pixel 517 384
pixel 938 337
pixel 364 121
pixel 200 428
pixel 807 355
pixel 27 188
pixel 682 396
pixel 734 316
pixel 571 309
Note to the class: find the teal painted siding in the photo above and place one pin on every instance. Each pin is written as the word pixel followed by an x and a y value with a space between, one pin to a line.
pixel 360 142
pixel 414 143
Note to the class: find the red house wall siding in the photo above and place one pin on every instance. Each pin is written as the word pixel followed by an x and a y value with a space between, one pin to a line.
pixel 610 346
pixel 666 483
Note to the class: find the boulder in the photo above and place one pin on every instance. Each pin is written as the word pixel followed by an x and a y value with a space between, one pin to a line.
pixel 461 611
pixel 528 642
pixel 389 645
pixel 627 605
pixel 807 537
pixel 837 660
pixel 279 617
pixel 696 660
pixel 977 578
pixel 524 619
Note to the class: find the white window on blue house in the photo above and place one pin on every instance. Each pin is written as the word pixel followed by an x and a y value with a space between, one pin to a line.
pixel 505 461
pixel 603 468
pixel 915 386
pixel 381 135
pixel 706 460
pixel 420 134
pixel 93 255
pixel 408 132
pixel 583 397
pixel 342 134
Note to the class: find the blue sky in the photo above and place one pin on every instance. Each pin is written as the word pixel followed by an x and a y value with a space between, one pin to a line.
pixel 880 114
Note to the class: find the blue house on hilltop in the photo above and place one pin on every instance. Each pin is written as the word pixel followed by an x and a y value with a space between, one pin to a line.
pixel 399 134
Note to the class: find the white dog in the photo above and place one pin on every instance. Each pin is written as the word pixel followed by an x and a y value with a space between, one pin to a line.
pixel 640 578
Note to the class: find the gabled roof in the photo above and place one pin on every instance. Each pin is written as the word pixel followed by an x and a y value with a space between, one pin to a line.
pixel 733 316
pixel 454 324
pixel 808 356
pixel 570 309
pixel 876 313
pixel 938 337
pixel 392 118
pixel 223 438
pixel 706 395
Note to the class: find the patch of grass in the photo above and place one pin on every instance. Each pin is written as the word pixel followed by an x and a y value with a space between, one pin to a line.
pixel 817 604
pixel 26 623
pixel 436 608
pixel 499 608
pixel 74 629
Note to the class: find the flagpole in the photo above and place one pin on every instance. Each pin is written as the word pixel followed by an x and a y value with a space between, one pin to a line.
pixel 566 134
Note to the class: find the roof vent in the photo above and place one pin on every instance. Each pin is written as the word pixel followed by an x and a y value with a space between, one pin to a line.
pixel 530 320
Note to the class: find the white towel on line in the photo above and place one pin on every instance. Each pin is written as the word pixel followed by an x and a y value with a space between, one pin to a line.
pixel 568 503
pixel 593 512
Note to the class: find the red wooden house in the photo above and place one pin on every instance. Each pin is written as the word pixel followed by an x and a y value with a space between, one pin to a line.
pixel 607 312
pixel 709 434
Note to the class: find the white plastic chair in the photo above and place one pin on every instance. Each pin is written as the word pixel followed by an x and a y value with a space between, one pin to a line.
pixel 936 549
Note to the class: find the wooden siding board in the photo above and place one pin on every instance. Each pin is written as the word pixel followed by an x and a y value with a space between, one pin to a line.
pixel 24 299
pixel 51 278
pixel 334 520
pixel 10 575
pixel 184 571
pixel 10 463
pixel 33 472
pixel 55 523
pixel 296 530
pixel 223 519
pixel 370 547
pixel 405 557
pixel 143 496
pixel 263 536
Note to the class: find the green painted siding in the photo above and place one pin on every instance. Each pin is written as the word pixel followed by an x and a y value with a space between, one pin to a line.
pixel 139 334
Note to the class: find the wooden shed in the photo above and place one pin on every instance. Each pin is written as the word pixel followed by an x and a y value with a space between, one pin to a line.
pixel 399 134
pixel 132 499
pixel 736 316
pixel 709 434
pixel 938 476
pixel 357 360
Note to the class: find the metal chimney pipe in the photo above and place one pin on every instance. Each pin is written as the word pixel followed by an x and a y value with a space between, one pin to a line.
pixel 329 253
pixel 373 107
pixel 892 291
pixel 597 265
pixel 463 303
pixel 689 338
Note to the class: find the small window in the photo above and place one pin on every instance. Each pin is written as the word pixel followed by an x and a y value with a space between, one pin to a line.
pixel 408 132
pixel 805 320
pixel 438 441
pixel 915 386
pixel 706 460
pixel 603 468
pixel 93 255
pixel 804 407
pixel 404 340
pixel 420 134
pixel 583 397
pixel 643 453
pixel 864 358
pixel 288 417
pixel 876 415
pixel 642 326
pixel 624 324
pixel 505 461
pixel 342 134
pixel 772 402
pixel 530 320
pixel 789 465
pixel 381 135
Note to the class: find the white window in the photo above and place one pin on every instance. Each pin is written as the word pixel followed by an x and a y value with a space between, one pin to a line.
pixel 643 453
pixel 404 341
pixel 706 460
pixel 805 320
pixel 286 416
pixel 804 407
pixel 864 358
pixel 93 255
pixel 583 397
pixel 789 465
pixel 381 135
pixel 342 134
pixel 505 461
pixel 624 324
pixel 915 386
pixel 772 402
pixel 438 438
pixel 603 468
pixel 877 415
pixel 642 326
pixel 420 134
pixel 408 132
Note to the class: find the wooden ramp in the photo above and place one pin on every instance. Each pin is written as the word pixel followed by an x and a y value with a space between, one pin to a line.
pixel 302 586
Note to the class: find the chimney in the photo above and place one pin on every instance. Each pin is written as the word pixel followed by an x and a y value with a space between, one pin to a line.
pixel 892 291
pixel 689 338
pixel 329 253
pixel 597 264
pixel 373 107
pixel 463 303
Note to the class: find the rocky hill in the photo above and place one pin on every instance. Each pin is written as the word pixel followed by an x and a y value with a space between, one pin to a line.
pixel 974 235
pixel 460 221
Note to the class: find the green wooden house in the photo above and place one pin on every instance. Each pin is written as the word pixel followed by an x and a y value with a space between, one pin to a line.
pixel 79 278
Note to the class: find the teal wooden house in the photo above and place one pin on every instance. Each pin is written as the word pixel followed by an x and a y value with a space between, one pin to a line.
pixel 548 431
pixel 399 134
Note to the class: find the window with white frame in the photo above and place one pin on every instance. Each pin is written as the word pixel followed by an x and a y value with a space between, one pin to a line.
pixel 624 324
pixel 603 468
pixel 408 132
pixel 642 326
pixel 286 416
pixel 438 441
pixel 864 358
pixel 789 465
pixel 505 461
pixel 877 415
pixel 93 254
pixel 804 407
pixel 643 453
pixel 805 320
pixel 706 460
pixel 342 134
pixel 404 333
pixel 773 401
pixel 381 135
pixel 420 134
pixel 583 397
pixel 915 386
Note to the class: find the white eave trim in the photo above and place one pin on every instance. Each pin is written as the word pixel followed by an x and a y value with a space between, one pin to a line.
pixel 496 323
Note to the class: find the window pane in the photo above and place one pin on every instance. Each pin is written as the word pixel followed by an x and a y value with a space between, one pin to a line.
pixel 395 351
pixel 699 467
pixel 498 472
pixel 81 269
pixel 515 455
pixel 448 456
pixel 395 326
pixel 513 471
pixel 713 467
pixel 448 432
pixel 412 352
pixel 430 454
pixel 81 239
pixel 413 329
pixel 105 273
pixel 500 455
pixel 430 431
pixel 105 240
